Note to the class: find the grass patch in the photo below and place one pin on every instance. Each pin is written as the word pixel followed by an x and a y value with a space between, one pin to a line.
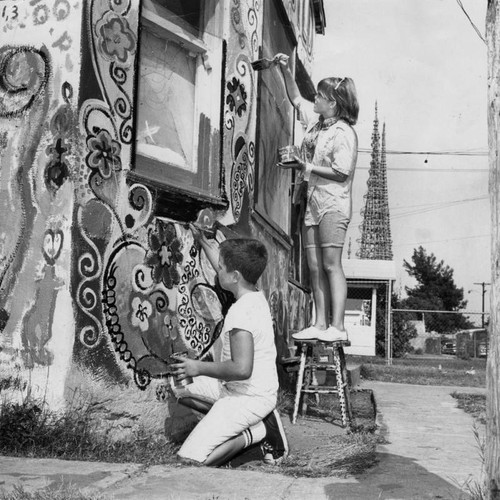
pixel 426 371
pixel 477 488
pixel 320 447
pixel 352 453
pixel 11 382
pixel 62 492
pixel 474 404
pixel 362 404
pixel 30 429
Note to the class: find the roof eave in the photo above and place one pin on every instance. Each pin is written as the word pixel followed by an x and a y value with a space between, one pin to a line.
pixel 319 16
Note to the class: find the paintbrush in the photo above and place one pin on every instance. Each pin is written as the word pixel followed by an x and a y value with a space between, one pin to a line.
pixel 263 63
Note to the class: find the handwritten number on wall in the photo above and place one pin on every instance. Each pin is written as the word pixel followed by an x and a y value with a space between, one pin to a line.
pixel 10 12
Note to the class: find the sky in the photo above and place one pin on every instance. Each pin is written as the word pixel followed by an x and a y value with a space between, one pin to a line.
pixel 426 67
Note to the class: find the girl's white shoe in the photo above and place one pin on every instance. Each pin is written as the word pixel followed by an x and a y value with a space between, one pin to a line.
pixel 310 333
pixel 332 334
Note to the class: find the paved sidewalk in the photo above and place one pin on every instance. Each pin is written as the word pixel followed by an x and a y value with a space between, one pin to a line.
pixel 430 442
pixel 430 450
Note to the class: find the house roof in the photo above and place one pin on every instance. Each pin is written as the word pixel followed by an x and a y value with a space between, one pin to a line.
pixel 364 269
pixel 319 16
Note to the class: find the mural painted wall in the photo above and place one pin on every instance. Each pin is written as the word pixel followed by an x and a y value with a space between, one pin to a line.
pixel 300 14
pixel 96 290
pixel 39 154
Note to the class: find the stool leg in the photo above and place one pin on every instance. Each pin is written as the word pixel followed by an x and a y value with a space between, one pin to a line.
pixel 347 393
pixel 300 380
pixel 314 381
pixel 307 381
pixel 343 390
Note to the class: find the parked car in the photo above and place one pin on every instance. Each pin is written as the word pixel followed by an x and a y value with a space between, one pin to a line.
pixel 449 347
pixel 482 350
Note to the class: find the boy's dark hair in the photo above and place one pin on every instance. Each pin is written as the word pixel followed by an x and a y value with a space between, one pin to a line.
pixel 246 255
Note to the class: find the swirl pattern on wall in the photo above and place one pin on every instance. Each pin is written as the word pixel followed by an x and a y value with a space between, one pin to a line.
pixel 147 320
pixel 24 73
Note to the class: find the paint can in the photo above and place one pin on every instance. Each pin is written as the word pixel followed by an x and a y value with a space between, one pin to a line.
pixel 185 381
pixel 288 154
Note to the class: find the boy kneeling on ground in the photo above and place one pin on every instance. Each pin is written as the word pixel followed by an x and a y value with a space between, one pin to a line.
pixel 243 385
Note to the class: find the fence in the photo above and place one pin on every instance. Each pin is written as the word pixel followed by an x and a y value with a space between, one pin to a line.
pixel 437 333
pixel 377 329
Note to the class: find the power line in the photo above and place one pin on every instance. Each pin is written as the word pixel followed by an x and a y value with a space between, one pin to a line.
pixel 434 311
pixel 422 211
pixel 412 210
pixel 429 170
pixel 470 20
pixel 429 153
pixel 431 208
pixel 439 204
pixel 444 241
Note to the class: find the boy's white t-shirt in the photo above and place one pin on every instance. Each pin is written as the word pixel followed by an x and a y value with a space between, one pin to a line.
pixel 251 313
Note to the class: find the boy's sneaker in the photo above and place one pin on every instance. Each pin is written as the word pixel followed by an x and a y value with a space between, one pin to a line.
pixel 275 445
pixel 332 334
pixel 310 333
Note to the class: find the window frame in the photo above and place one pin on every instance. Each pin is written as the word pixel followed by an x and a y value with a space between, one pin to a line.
pixel 181 193
pixel 268 161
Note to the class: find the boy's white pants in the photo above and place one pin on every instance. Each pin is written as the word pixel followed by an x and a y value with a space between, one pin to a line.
pixel 230 415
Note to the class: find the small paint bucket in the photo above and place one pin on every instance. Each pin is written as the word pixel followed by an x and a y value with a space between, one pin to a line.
pixel 288 154
pixel 184 381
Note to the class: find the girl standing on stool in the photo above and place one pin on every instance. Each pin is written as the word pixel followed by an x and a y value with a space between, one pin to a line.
pixel 327 162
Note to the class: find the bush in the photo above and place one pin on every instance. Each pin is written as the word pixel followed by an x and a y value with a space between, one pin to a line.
pixel 402 328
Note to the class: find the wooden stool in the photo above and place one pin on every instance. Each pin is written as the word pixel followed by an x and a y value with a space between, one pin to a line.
pixel 316 355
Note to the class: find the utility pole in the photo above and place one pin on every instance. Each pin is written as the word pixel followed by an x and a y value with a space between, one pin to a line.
pixel 492 452
pixel 483 285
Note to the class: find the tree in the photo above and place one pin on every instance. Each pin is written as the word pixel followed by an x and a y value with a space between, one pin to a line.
pixel 403 329
pixel 492 454
pixel 436 290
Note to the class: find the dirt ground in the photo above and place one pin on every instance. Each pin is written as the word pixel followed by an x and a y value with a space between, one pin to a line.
pixel 318 441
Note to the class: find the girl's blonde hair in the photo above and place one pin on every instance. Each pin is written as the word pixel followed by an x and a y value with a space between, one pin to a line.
pixel 343 92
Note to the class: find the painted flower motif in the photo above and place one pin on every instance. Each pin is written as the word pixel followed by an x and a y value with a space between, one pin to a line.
pixel 116 39
pixel 141 311
pixel 171 325
pixel 237 96
pixel 165 254
pixel 104 154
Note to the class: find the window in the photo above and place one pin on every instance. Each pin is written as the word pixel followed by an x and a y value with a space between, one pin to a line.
pixel 179 99
pixel 308 28
pixel 275 124
pixel 166 114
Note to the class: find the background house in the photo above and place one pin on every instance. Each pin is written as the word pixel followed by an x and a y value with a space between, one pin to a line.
pixel 367 279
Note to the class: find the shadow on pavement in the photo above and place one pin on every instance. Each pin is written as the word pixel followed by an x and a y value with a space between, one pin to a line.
pixel 396 477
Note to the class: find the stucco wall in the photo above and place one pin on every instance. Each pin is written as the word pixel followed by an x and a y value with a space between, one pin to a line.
pixel 39 154
pixel 96 290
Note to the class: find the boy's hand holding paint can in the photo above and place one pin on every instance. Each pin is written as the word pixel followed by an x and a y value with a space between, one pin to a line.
pixel 178 372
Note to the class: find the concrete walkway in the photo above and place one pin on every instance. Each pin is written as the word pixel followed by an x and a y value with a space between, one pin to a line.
pixel 430 452
pixel 431 446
